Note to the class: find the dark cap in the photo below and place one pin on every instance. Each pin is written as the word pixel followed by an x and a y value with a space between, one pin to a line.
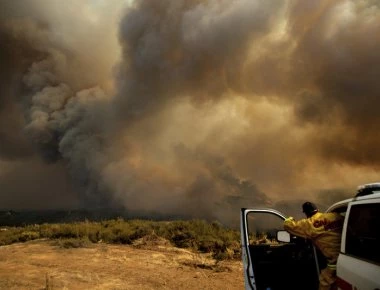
pixel 309 208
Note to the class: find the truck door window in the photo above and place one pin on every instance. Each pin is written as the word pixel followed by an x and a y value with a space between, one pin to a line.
pixel 363 235
pixel 263 227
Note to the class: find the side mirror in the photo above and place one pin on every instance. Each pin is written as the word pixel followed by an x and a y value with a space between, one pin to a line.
pixel 283 236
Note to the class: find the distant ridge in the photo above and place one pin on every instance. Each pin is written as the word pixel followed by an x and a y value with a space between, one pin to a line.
pixel 28 217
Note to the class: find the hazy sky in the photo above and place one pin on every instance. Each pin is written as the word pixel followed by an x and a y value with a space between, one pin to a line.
pixel 187 107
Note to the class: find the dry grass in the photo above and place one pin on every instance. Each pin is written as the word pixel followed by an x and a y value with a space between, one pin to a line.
pixel 153 264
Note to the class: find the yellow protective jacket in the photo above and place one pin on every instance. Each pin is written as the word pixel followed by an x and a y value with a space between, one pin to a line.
pixel 324 229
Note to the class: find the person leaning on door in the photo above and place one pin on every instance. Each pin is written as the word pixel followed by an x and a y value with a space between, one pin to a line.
pixel 325 232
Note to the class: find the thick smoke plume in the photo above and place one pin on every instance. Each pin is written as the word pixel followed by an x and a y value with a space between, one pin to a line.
pixel 189 107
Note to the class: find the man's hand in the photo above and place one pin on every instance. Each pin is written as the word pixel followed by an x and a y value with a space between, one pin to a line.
pixel 289 219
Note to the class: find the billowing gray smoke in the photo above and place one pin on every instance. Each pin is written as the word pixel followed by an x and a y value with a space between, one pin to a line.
pixel 51 83
pixel 190 107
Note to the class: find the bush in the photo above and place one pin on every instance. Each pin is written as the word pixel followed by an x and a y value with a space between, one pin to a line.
pixel 9 237
pixel 73 243
pixel 197 235
pixel 28 236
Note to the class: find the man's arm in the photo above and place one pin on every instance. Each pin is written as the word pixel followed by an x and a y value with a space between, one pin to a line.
pixel 301 228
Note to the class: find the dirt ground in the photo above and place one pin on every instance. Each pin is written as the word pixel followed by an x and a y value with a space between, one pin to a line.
pixel 43 265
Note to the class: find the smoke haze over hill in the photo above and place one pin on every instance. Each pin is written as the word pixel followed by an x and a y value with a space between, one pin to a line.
pixel 192 107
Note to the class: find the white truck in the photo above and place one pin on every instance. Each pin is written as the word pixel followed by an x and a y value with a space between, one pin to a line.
pixel 273 259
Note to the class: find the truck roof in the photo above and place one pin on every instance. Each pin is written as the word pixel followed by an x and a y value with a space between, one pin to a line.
pixel 346 201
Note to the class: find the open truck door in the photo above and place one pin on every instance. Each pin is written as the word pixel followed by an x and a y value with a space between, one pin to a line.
pixel 272 258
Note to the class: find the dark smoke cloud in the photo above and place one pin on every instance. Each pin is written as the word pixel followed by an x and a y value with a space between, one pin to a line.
pixel 339 55
pixel 22 182
pixel 51 96
pixel 15 56
pixel 180 49
pixel 215 186
pixel 203 106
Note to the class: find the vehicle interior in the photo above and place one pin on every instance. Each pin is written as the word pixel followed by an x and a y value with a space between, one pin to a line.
pixel 285 266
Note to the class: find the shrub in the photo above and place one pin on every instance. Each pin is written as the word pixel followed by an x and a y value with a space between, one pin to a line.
pixel 73 243
pixel 197 235
pixel 28 236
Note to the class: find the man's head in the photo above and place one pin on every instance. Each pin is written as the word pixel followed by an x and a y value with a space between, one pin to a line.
pixel 309 209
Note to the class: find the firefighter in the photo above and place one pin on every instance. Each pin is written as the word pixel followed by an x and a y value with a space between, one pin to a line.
pixel 325 231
